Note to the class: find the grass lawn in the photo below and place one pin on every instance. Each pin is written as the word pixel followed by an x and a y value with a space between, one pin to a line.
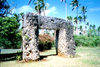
pixel 85 57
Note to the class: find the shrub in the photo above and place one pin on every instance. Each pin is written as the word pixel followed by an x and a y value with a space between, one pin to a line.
pixel 9 33
pixel 87 41
pixel 45 42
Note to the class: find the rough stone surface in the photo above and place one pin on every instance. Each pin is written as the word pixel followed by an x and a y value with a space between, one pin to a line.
pixel 64 35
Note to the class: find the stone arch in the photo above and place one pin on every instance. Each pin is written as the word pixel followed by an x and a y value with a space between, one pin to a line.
pixel 31 25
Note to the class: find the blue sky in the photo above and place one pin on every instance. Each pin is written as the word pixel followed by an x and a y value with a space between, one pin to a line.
pixel 57 9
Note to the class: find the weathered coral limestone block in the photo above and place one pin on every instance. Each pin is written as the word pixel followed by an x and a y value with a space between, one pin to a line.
pixel 30 41
pixel 65 44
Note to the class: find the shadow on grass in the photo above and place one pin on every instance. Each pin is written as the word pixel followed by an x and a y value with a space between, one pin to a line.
pixel 9 57
pixel 45 56
pixel 13 57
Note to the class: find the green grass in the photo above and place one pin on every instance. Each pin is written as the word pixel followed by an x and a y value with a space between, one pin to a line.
pixel 91 55
pixel 48 52
pixel 86 57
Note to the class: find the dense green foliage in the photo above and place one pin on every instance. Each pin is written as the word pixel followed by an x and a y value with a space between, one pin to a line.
pixel 87 41
pixel 9 33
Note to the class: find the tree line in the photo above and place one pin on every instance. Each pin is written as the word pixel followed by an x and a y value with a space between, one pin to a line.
pixel 10 34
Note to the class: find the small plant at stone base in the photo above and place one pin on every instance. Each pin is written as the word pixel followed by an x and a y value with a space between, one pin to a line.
pixel 18 57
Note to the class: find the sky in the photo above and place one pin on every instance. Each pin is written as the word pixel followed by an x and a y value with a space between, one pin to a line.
pixel 56 8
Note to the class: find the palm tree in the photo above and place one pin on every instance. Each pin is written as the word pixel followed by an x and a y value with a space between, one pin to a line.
pixel 75 20
pixel 69 18
pixel 84 10
pixel 98 31
pixel 75 5
pixel 94 30
pixel 90 29
pixel 80 18
pixel 87 24
pixel 93 26
pixel 84 18
pixel 81 29
pixel 39 5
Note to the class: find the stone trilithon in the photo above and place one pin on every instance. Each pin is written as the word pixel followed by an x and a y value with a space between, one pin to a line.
pixel 65 44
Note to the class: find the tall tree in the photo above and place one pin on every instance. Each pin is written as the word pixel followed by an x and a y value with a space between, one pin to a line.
pixel 4 7
pixel 93 26
pixel 80 19
pixel 40 5
pixel 94 30
pixel 84 18
pixel 87 24
pixel 75 21
pixel 83 12
pixel 99 31
pixel 75 5
pixel 81 29
pixel 69 18
pixel 90 30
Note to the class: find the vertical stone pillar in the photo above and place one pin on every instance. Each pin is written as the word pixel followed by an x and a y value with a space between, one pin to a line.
pixel 66 44
pixel 30 38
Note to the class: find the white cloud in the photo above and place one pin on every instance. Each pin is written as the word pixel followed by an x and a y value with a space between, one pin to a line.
pixel 95 9
pixel 24 9
pixel 50 11
pixel 27 8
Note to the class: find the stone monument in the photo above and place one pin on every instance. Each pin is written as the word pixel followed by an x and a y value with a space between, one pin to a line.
pixel 30 30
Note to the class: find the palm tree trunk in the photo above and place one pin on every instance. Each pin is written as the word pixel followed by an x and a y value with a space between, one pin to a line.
pixel 77 21
pixel 77 15
pixel 66 9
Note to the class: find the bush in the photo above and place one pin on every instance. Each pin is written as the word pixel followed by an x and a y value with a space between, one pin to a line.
pixel 9 33
pixel 87 41
pixel 45 42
